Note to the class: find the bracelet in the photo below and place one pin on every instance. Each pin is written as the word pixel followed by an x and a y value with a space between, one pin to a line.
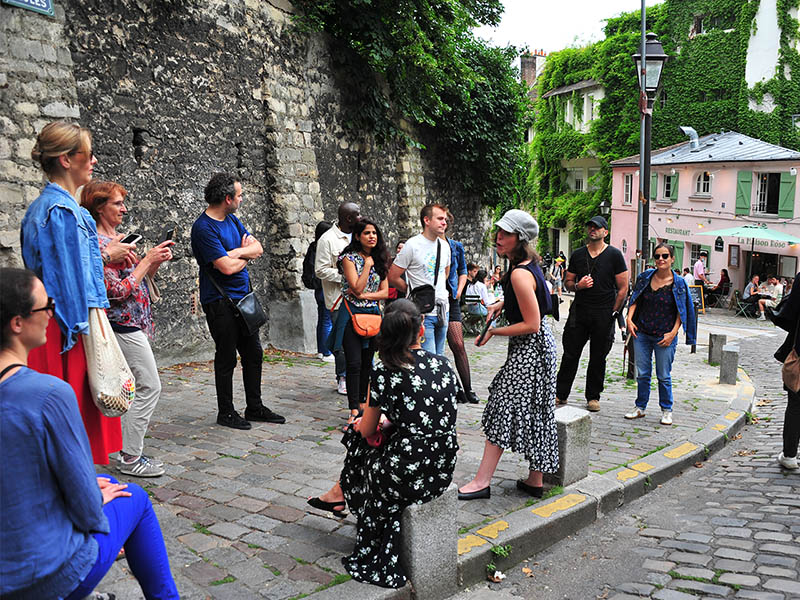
pixel 105 256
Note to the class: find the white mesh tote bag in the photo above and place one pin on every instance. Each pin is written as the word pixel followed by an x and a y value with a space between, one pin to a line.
pixel 110 379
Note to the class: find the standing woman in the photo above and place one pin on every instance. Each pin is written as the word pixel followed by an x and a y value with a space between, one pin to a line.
pixel 520 412
pixel 787 458
pixel 660 302
pixel 59 244
pixel 131 321
pixel 364 265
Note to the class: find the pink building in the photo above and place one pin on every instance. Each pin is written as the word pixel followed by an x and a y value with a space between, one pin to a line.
pixel 715 182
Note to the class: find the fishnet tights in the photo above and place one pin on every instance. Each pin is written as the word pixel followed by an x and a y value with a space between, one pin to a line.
pixel 455 339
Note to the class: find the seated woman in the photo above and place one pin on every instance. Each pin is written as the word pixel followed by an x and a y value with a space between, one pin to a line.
pixel 416 391
pixel 478 288
pixel 62 525
pixel 721 289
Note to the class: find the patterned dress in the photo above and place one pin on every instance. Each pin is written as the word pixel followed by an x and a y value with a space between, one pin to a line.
pixel 414 467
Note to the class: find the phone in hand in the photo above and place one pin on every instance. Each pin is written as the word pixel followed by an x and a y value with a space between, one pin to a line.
pixel 131 238
pixel 168 234
pixel 483 333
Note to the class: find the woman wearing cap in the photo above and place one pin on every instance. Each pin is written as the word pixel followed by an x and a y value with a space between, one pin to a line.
pixel 519 414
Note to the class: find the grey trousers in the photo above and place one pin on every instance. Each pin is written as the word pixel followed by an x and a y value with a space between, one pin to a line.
pixel 142 363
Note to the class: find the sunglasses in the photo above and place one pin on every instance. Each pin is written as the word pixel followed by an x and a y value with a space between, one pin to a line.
pixel 50 307
pixel 89 152
pixel 664 256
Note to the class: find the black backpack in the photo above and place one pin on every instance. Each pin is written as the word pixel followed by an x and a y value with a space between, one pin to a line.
pixel 309 277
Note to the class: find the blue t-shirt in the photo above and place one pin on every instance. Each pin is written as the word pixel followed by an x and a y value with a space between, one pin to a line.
pixel 212 239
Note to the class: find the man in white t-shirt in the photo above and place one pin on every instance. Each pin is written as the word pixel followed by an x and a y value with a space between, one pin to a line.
pixel 775 291
pixel 417 260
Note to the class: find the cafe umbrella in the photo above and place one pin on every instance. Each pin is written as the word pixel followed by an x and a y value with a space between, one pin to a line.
pixel 754 231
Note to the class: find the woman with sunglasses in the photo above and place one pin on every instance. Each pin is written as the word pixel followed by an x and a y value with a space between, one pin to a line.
pixel 659 304
pixel 59 244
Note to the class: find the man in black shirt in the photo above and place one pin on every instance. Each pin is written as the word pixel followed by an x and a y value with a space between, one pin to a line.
pixel 598 276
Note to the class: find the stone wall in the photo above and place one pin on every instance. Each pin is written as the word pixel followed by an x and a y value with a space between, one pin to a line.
pixel 176 90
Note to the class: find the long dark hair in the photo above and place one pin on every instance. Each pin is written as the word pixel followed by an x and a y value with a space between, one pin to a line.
pixel 16 298
pixel 380 256
pixel 520 253
pixel 399 330
pixel 480 275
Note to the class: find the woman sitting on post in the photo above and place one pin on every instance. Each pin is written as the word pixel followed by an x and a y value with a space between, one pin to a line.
pixel 660 302
pixel 63 526
pixel 416 392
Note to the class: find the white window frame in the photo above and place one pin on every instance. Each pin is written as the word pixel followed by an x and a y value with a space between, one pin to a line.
pixel 627 194
pixel 702 184
pixel 667 188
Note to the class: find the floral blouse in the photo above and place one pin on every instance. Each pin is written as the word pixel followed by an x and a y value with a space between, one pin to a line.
pixel 130 302
pixel 657 311
pixel 373 282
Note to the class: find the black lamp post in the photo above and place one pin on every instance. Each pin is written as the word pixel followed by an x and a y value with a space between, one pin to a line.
pixel 649 65
pixel 605 208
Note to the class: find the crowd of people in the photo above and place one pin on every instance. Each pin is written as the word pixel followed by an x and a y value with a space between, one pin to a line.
pixel 63 526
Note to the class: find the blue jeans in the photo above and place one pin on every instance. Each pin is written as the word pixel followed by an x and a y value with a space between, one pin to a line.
pixel 644 348
pixel 435 335
pixel 324 323
pixel 133 525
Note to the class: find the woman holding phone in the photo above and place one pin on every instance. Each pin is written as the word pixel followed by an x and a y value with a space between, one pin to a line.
pixel 520 412
pixel 131 320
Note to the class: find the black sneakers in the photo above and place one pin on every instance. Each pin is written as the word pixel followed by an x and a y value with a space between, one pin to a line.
pixel 234 421
pixel 263 414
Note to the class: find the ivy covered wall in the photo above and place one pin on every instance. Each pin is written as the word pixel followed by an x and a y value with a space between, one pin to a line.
pixel 703 83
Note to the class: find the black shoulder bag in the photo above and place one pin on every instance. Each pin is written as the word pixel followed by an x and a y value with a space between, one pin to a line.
pixel 248 307
pixel 424 296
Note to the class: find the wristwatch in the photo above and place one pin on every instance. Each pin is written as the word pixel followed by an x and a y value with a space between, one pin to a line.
pixel 106 258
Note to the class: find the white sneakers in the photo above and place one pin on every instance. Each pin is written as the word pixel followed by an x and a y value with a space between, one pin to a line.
pixel 788 463
pixel 342 387
pixel 762 317
pixel 637 413
pixel 666 417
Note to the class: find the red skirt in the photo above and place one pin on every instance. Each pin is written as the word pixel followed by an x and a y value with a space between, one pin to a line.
pixel 105 433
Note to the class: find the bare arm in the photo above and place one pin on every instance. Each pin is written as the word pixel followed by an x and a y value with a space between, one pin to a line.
pixel 670 335
pixel 569 281
pixel 622 289
pixel 356 282
pixel 462 282
pixel 525 289
pixel 396 279
pixel 249 250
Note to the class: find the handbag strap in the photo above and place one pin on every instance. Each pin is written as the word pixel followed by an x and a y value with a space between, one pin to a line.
pixel 438 257
pixel 210 274
pixel 9 367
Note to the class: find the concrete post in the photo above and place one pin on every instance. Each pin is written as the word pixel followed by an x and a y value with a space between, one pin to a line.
pixel 729 366
pixel 715 343
pixel 574 434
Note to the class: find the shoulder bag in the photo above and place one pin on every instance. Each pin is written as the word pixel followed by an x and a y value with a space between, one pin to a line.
pixel 424 296
pixel 248 307
pixel 364 324
pixel 111 382
pixel 790 372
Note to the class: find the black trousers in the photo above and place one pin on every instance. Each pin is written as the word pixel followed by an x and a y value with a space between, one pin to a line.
pixel 359 365
pixel 230 335
pixel 791 425
pixel 596 327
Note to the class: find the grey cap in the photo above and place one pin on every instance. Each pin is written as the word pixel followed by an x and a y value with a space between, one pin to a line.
pixel 598 221
pixel 519 222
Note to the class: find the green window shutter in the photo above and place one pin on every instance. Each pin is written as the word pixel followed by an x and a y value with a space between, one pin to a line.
pixel 786 196
pixel 673 190
pixel 677 249
pixel 708 258
pixel 744 187
pixel 653 185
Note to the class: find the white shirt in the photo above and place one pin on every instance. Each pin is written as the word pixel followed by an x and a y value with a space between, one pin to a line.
pixel 689 279
pixel 329 247
pixel 478 288
pixel 418 258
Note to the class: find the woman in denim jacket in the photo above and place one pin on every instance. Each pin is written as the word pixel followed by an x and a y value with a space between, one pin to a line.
pixel 659 304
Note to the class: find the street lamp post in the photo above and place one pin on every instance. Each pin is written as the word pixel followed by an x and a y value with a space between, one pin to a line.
pixel 649 64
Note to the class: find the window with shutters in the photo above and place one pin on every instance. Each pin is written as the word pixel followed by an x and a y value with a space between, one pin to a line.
pixel 769 185
pixel 628 197
pixel 667 187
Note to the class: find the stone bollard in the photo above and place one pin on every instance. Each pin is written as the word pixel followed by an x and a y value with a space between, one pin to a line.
pixel 729 366
pixel 715 343
pixel 430 546
pixel 574 434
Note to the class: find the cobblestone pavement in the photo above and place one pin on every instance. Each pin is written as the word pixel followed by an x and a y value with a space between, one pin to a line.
pixel 730 529
pixel 233 503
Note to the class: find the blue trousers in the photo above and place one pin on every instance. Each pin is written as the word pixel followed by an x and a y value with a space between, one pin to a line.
pixel 435 335
pixel 645 346
pixel 324 323
pixel 133 525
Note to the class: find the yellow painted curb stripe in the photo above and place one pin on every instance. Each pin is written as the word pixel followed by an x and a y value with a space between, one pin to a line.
pixel 733 415
pixel 681 450
pixel 718 427
pixel 642 467
pixel 563 503
pixel 626 474
pixel 469 542
pixel 493 529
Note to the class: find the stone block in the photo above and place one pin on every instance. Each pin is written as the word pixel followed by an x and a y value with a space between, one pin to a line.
pixel 729 364
pixel 715 343
pixel 574 434
pixel 429 547
pixel 608 493
pixel 293 323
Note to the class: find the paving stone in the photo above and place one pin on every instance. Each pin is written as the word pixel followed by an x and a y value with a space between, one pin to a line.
pixel 282 562
pixel 738 579
pixel 695 572
pixel 738 566
pixel 321 523
pixel 773 536
pixel 190 502
pixel 217 495
pixel 728 522
pixel 689 536
pixel 662 566
pixel 304 551
pixel 224 555
pixel 226 513
pixel 688 557
pixel 699 586
pixel 736 532
pixel 287 514
pixel 656 533
pixel 230 531
pixel 249 504
pixel 667 594
pixel 781 549
pixel 773 559
pixel 787 586
pixel 734 543
pixel 199 542
pixel 686 546
pixel 204 572
pixel 260 522
pixel 734 554
pixel 164 494
pixel 263 540
pixel 251 572
pixel 658 579
pixel 758 595
pixel 777 572
pixel 310 573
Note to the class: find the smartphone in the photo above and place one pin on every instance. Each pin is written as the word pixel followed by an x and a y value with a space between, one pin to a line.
pixel 131 238
pixel 167 235
pixel 483 333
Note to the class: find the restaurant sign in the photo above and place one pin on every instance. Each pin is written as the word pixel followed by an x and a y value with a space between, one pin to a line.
pixel 763 243
pixel 675 231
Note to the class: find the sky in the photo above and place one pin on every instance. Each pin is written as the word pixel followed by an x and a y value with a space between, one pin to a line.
pixel 555 25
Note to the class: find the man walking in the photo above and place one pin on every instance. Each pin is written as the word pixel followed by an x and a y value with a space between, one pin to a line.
pixel 598 276
pixel 223 248
pixel 418 260
pixel 329 246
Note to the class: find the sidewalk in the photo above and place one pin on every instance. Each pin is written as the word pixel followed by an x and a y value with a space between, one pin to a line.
pixel 232 505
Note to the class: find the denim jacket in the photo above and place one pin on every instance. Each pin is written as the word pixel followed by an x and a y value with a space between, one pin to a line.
pixel 683 301
pixel 458 266
pixel 59 244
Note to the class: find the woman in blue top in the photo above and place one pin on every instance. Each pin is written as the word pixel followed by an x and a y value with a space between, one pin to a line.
pixel 62 526
pixel 660 302
pixel 363 264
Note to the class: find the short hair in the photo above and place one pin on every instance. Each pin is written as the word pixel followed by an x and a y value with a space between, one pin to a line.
pixel 57 139
pixel 219 187
pixel 471 266
pixel 16 298
pixel 96 193
pixel 427 211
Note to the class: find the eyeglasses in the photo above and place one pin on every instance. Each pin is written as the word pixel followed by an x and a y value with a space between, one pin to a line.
pixel 664 256
pixel 50 307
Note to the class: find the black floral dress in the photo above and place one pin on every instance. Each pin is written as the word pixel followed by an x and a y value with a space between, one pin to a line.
pixel 414 467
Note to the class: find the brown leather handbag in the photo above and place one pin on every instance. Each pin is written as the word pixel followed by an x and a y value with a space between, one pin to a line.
pixel 364 324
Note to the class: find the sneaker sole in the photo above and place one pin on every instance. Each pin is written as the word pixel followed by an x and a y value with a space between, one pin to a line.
pixel 260 420
pixel 232 426
pixel 631 417
pixel 142 474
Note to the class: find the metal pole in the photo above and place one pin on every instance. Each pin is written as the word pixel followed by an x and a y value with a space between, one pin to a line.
pixel 642 197
pixel 645 170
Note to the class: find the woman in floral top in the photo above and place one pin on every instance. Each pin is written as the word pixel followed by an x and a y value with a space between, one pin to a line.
pixel 363 264
pixel 130 319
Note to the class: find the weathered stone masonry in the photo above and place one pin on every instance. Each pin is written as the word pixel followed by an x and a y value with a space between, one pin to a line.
pixel 176 90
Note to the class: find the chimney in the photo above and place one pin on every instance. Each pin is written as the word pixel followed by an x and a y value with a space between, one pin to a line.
pixel 528 68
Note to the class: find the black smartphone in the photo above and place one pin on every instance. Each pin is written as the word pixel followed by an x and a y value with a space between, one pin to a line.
pixel 131 238
pixel 483 333
pixel 167 235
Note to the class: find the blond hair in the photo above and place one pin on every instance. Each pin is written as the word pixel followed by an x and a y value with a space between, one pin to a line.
pixel 57 139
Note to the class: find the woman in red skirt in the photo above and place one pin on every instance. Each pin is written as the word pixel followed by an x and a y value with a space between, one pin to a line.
pixel 59 244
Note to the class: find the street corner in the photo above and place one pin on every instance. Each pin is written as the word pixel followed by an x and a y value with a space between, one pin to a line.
pixel 609 493
pixel 728 423
pixel 634 482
